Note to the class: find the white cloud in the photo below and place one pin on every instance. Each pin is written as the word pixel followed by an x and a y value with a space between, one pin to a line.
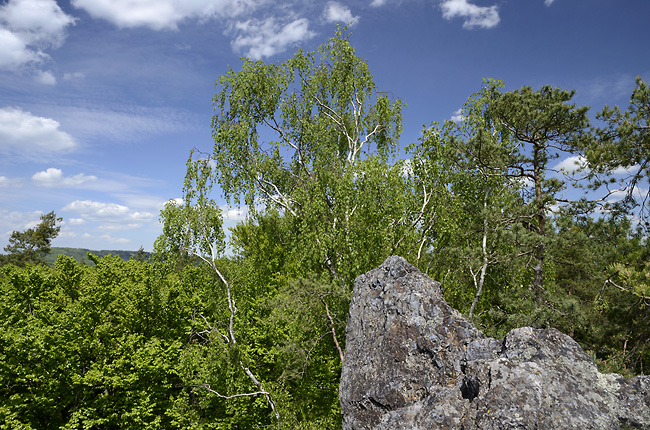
pixel 639 194
pixel 6 182
pixel 458 116
pixel 95 210
pixel 577 163
pixel 76 221
pixel 17 221
pixel 31 135
pixel 377 3
pixel 162 14
pixel 51 178
pixel 109 238
pixel 108 212
pixel 120 226
pixel 548 2
pixel 407 167
pixel 45 78
pixel 626 171
pixel 87 240
pixel 571 164
pixel 27 27
pixel 336 12
pixel 14 51
pixel 475 16
pixel 233 213
pixel 259 39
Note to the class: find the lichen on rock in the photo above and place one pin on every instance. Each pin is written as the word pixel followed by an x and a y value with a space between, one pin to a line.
pixel 413 362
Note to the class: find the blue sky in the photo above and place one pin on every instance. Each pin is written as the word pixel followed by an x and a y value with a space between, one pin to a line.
pixel 102 100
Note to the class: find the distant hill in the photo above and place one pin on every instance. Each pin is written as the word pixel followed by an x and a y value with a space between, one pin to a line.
pixel 80 254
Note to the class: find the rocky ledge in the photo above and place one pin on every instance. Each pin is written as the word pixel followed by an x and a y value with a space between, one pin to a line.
pixel 413 362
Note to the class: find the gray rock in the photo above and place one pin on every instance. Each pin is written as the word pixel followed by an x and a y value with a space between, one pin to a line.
pixel 413 362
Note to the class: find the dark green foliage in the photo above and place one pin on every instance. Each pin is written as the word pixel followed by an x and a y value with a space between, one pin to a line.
pixel 495 234
pixel 624 142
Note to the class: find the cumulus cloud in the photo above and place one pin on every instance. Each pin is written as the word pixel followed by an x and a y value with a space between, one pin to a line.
pixel 27 28
pixel 162 14
pixel 98 210
pixel 95 210
pixel 30 135
pixel 234 213
pixel 475 16
pixel 571 164
pixel 377 3
pixel 120 226
pixel 109 238
pixel 11 221
pixel 578 163
pixel 264 38
pixel 458 116
pixel 14 51
pixel 639 194
pixel 108 212
pixel 336 12
pixel 52 178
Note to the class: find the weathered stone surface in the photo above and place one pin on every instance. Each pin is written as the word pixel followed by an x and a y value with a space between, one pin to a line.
pixel 413 362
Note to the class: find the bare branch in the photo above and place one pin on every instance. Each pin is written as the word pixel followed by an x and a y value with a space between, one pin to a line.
pixel 210 389
pixel 282 200
pixel 336 342
pixel 233 341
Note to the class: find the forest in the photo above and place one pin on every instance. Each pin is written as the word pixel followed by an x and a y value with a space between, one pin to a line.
pixel 246 329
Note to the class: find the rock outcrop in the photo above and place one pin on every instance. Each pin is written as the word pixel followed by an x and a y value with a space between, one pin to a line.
pixel 413 362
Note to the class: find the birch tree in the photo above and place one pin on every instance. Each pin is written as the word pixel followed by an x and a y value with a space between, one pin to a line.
pixel 195 228
pixel 313 138
pixel 470 214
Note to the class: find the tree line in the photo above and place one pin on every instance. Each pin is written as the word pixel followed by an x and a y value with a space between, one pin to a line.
pixel 198 337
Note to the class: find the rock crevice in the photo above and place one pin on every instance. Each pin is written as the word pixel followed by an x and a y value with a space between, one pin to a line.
pixel 414 362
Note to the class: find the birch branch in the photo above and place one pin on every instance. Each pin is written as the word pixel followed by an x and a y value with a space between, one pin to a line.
pixel 336 342
pixel 233 340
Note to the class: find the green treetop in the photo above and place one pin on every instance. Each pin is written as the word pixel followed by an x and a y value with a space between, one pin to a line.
pixel 312 138
pixel 539 125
